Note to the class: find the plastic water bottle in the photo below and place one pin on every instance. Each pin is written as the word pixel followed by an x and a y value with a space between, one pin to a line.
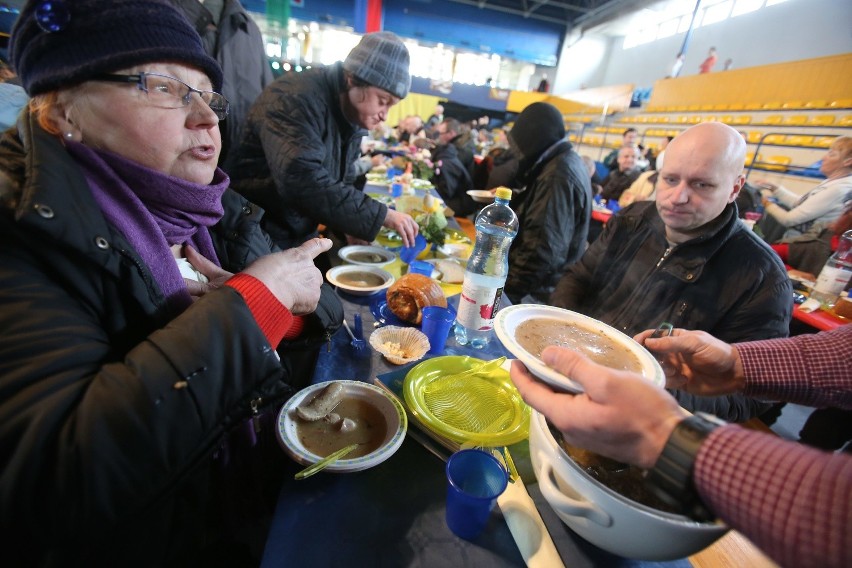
pixel 487 268
pixel 836 274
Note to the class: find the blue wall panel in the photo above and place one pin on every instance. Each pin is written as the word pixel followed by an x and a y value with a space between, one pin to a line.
pixel 440 21
pixel 469 95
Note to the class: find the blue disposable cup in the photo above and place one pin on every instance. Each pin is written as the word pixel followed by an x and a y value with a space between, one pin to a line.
pixel 396 190
pixel 407 254
pixel 475 480
pixel 437 322
pixel 420 267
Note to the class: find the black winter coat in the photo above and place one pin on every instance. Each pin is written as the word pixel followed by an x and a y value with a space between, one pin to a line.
pixel 452 180
pixel 110 407
pixel 727 282
pixel 553 215
pixel 296 160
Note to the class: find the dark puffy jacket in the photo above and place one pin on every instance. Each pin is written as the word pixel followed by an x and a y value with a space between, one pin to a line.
pixel 553 214
pixel 452 181
pixel 237 45
pixel 296 160
pixel 106 461
pixel 727 282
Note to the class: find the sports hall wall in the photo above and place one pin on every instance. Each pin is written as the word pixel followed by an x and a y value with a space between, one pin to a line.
pixel 793 30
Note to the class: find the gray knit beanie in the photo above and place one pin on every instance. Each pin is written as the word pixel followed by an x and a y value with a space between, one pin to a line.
pixel 381 59
pixel 63 43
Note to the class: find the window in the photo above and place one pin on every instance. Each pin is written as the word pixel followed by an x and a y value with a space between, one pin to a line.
pixel 716 13
pixel 745 6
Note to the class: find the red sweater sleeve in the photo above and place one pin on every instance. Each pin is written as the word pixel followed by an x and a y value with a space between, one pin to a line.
pixel 792 501
pixel 274 319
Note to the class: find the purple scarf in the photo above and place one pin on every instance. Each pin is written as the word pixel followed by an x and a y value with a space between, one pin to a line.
pixel 154 211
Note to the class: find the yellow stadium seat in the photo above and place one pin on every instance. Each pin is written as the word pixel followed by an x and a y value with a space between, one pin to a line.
pixel 793 104
pixel 721 107
pixel 693 119
pixel 817 103
pixel 795 119
pixel 663 119
pixel 599 129
pixel 672 133
pixel 750 157
pixel 841 103
pixel 753 137
pixel 741 119
pixel 776 163
pixel 798 140
pixel 708 118
pixel 736 106
pixel 774 139
pixel 572 137
pixel 681 119
pixel 693 107
pixel 821 120
pixel 823 141
pixel 772 105
pixel 707 107
pixel 773 119
pixel 727 118
pixel 845 121
pixel 681 108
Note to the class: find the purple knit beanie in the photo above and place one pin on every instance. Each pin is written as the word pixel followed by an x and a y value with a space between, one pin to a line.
pixel 61 43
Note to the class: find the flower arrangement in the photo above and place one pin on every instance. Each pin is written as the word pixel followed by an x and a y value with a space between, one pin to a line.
pixel 421 163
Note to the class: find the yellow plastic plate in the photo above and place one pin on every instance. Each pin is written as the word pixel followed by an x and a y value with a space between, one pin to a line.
pixel 482 409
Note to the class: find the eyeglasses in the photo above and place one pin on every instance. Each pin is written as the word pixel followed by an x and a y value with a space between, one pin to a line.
pixel 169 92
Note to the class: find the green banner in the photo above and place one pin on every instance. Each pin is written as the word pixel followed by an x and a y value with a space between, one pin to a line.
pixel 278 12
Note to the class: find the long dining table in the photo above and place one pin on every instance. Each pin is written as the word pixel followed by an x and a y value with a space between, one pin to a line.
pixel 393 514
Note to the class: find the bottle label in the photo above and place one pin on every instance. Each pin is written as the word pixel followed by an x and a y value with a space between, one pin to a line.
pixel 478 305
pixel 832 280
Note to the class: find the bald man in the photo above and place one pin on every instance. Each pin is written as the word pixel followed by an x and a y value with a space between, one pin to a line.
pixel 687 259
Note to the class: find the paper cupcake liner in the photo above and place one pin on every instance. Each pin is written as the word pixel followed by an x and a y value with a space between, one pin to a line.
pixel 400 345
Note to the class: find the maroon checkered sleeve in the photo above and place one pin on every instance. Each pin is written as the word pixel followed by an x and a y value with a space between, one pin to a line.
pixel 793 502
pixel 814 370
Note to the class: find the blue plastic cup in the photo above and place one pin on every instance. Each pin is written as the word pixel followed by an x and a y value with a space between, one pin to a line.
pixel 407 254
pixel 475 480
pixel 437 322
pixel 420 267
pixel 396 190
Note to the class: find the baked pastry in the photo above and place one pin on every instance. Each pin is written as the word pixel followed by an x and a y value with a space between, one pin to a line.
pixel 410 294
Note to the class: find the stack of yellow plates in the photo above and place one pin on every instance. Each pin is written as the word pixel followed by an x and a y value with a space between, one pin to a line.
pixel 482 408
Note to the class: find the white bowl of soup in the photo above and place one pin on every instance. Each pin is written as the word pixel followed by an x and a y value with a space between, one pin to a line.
pixel 359 280
pixel 366 255
pixel 375 421
pixel 525 330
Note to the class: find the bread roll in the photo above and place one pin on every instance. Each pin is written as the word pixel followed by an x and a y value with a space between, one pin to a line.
pixel 411 293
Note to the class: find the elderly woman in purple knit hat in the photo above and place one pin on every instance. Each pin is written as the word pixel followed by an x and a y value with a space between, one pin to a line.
pixel 129 349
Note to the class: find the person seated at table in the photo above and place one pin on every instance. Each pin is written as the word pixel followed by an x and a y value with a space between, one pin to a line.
pixel 642 189
pixel 303 135
pixel 553 207
pixel 630 137
pixel 686 259
pixel 130 350
pixel 824 203
pixel 761 485
pixel 410 129
pixel 806 254
pixel 451 179
pixel 621 178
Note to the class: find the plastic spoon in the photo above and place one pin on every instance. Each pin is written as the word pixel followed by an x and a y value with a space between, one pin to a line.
pixel 325 462
pixel 357 344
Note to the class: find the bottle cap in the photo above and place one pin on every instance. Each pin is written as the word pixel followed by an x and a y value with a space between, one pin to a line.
pixel 504 193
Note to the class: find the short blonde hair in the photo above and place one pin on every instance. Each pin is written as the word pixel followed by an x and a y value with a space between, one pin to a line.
pixel 843 144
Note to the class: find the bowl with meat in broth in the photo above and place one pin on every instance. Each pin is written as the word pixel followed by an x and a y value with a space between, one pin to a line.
pixel 326 417
pixel 525 330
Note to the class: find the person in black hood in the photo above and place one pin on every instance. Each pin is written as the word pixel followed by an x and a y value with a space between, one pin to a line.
pixel 553 207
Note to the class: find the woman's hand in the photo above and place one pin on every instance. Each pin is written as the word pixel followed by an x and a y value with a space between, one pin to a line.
pixel 216 276
pixel 620 415
pixel 292 276
pixel 697 362
pixel 403 224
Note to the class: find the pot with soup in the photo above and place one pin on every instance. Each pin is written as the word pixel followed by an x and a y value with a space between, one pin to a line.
pixel 607 503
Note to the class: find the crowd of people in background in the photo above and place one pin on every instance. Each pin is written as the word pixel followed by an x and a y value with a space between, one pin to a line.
pixel 160 282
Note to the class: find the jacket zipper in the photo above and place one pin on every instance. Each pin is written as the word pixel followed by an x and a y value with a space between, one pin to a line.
pixel 665 256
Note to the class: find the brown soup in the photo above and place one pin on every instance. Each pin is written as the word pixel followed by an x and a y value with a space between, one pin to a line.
pixel 322 437
pixel 359 279
pixel 537 333
pixel 626 480
pixel 370 257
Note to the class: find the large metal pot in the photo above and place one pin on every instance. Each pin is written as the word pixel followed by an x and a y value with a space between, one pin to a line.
pixel 606 518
